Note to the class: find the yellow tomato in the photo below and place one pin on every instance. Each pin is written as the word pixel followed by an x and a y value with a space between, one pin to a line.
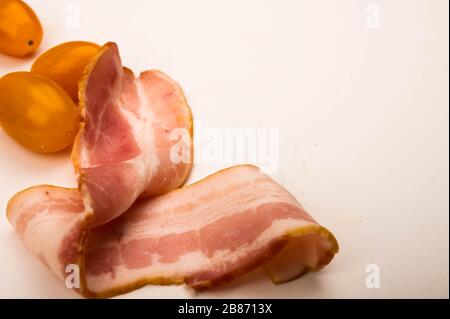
pixel 20 29
pixel 36 112
pixel 65 63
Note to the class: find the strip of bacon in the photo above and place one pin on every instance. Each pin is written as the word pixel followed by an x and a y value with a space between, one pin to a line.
pixel 202 235
pixel 53 223
pixel 136 141
pixel 131 129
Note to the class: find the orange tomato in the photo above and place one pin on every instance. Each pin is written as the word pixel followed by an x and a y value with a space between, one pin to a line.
pixel 65 64
pixel 36 112
pixel 20 29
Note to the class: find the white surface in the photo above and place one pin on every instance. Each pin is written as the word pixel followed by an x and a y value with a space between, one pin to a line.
pixel 362 115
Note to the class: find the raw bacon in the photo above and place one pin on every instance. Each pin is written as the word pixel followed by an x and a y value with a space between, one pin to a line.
pixel 123 149
pixel 201 235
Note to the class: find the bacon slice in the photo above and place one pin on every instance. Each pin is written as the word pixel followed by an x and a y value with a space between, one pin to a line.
pixel 136 141
pixel 126 139
pixel 202 235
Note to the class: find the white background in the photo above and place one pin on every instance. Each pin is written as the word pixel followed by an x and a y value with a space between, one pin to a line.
pixel 362 115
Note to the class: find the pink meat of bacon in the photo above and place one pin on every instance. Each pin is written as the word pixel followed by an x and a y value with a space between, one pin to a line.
pixel 201 235
pixel 131 130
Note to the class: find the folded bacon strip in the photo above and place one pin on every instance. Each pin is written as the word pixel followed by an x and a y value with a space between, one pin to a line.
pixel 123 149
pixel 201 235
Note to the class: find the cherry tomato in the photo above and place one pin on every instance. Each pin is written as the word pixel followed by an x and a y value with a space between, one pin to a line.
pixel 20 29
pixel 36 112
pixel 65 63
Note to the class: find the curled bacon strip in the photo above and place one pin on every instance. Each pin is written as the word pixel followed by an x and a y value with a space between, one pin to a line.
pixel 201 235
pixel 123 149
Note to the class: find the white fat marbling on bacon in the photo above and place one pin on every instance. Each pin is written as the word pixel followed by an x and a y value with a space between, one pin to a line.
pixel 139 244
pixel 200 252
pixel 124 144
pixel 44 216
pixel 193 262
pixel 173 214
